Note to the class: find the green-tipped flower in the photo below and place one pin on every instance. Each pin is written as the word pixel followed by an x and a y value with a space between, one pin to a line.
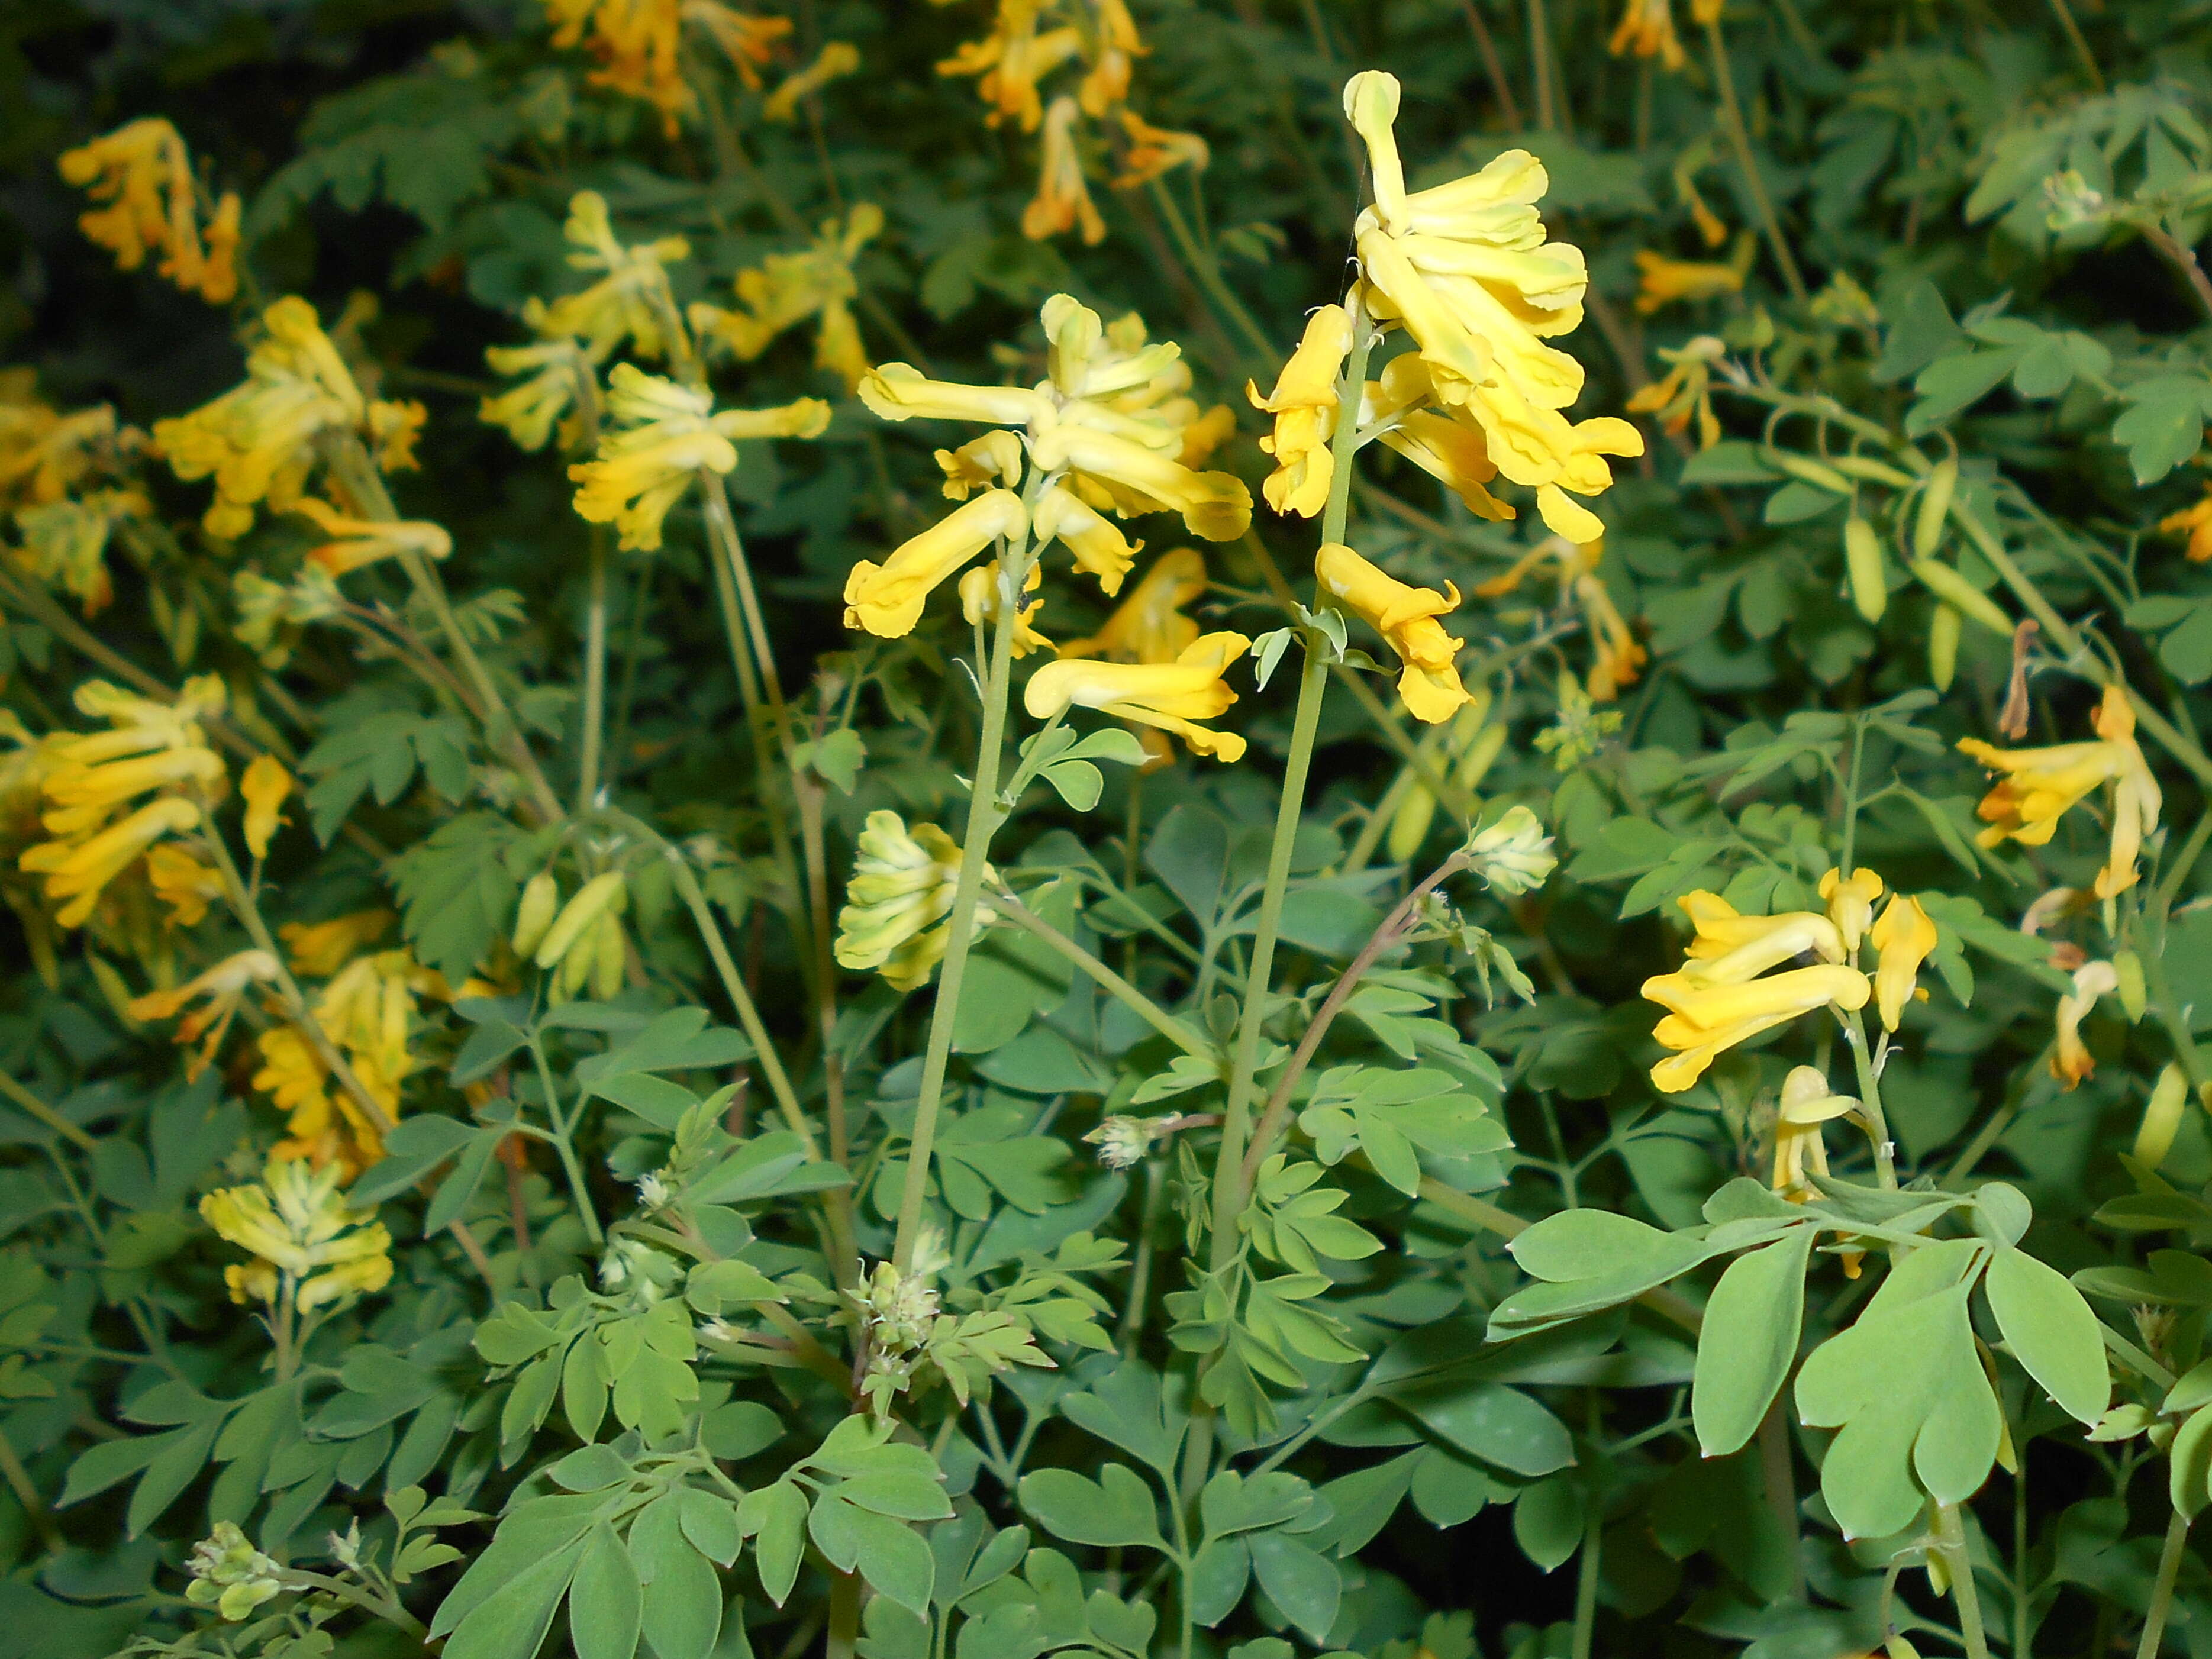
pixel 230 1575
pixel 896 906
pixel 299 1225
pixel 1513 855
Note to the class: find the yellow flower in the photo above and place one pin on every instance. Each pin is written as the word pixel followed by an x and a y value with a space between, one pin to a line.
pixel 899 392
pixel 1138 479
pixel 1406 617
pixel 749 42
pixel 1466 268
pixel 1663 281
pixel 2039 785
pixel 79 871
pixel 367 1011
pixel 223 989
pixel 143 174
pixel 264 784
pixel 1304 405
pixel 2197 521
pixel 895 905
pixel 836 60
pixel 1171 696
pixel 1149 626
pixel 1706 1018
pixel 630 301
pixel 993 458
pixel 65 542
pixel 785 288
pixel 1905 937
pixel 2070 1060
pixel 256 441
pixel 556 369
pixel 1098 547
pixel 979 604
pixel 1620 658
pixel 1114 40
pixel 1206 434
pixel 181 882
pixel 297 1223
pixel 1685 391
pixel 1011 61
pixel 357 542
pixel 1647 29
pixel 319 949
pixel 1063 197
pixel 1799 1151
pixel 45 454
pixel 637 45
pixel 1706 11
pixel 1154 151
pixel 886 599
pixel 1730 948
pixel 661 436
pixel 1850 903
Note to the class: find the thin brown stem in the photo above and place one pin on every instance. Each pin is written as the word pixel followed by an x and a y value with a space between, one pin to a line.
pixel 2178 254
pixel 1486 46
pixel 1754 181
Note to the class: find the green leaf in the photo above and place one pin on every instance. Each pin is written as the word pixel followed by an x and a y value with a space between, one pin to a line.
pixel 1232 1502
pixel 2051 1332
pixel 775 1517
pixel 1305 1584
pixel 419 1144
pixel 605 1601
pixel 2188 1466
pixel 1548 1520
pixel 681 1610
pixel 888 1553
pixel 1500 1425
pixel 2163 425
pixel 511 1622
pixel 1118 1508
pixel 1749 1341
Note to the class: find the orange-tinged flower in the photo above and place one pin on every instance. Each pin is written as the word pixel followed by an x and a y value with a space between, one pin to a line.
pixel 1154 151
pixel 1406 617
pixel 2194 521
pixel 2040 785
pixel 222 988
pixel 1172 696
pixel 836 60
pixel 1063 196
pixel 1012 59
pixel 1149 625
pixel 2070 1060
pixel 748 42
pixel 1647 29
pixel 319 949
pixel 1686 390
pixel 1663 281
pixel 181 882
pixel 357 542
pixel 142 174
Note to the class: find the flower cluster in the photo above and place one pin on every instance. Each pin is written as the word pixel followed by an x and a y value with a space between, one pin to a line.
pixel 785 290
pixel 1724 993
pixel 1096 41
pixel 306 1239
pixel 897 906
pixel 65 480
pixel 231 1576
pixel 257 440
pixel 2040 785
pixel 638 43
pixel 142 174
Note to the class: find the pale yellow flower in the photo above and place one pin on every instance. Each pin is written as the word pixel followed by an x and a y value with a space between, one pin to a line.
pixel 995 459
pixel 1663 281
pixel 319 949
pixel 1905 937
pixel 65 542
pixel 222 989
pixel 1406 617
pixel 300 1227
pixel 1452 452
pixel 1063 196
pixel 1730 947
pixel 1154 151
pixel 1850 903
pixel 1799 1151
pixel 182 882
pixel 142 174
pixel 836 60
pixel 230 1575
pixel 979 604
pixel 1647 29
pixel 1707 1017
pixel 265 784
pixel 1149 625
pixel 1172 696
pixel 786 289
pixel 900 391
pixel 2040 785
pixel 2072 1062
pixel 661 437
pixel 1685 391
pixel 630 301
pixel 1138 479
pixel 1099 549
pixel 886 599
pixel 554 372
pixel 357 542
pixel 895 905
pixel 1304 405
pixel 367 1010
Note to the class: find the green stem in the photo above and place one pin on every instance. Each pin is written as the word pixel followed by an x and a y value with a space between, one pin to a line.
pixel 1113 984
pixel 1208 269
pixel 983 819
pixel 46 1113
pixel 2161 1595
pixel 563 1131
pixel 595 674
pixel 1539 65
pixel 1951 1535
pixel 1885 1151
pixel 27 1494
pixel 2083 55
pixel 1740 139
pixel 844 1634
pixel 1586 1581
pixel 1140 1266
pixel 297 1580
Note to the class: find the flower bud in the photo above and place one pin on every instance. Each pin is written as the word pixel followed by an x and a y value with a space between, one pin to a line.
pixel 1862 563
pixel 1123 1141
pixel 1513 855
pixel 541 897
pixel 230 1575
pixel 596 896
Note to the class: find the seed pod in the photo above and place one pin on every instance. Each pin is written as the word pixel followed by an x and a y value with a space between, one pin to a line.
pixel 574 968
pixel 541 897
pixel 609 958
pixel 1943 647
pixel 1934 509
pixel 1949 586
pixel 1805 469
pixel 1488 743
pixel 593 899
pixel 1476 744
pixel 1409 826
pixel 1865 466
pixel 2134 997
pixel 1862 563
pixel 2161 1118
pixel 1898 1648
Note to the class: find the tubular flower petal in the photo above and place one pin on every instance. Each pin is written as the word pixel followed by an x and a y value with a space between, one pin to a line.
pixel 319 949
pixel 1214 505
pixel 1799 1151
pixel 1406 617
pixel 899 392
pixel 367 1011
pixel 80 870
pixel 1850 903
pixel 181 882
pixel 1663 281
pixel 2194 522
pixel 1011 61
pixel 979 604
pixel 556 370
pixel 142 174
pixel 1169 695
pixel 1098 547
pixel 223 987
pixel 357 542
pixel 629 301
pixel 297 1223
pixel 1149 626
pixel 1154 151
pixel 663 436
pixel 894 919
pixel 265 784
pixel 2040 785
pixel 637 45
pixel 1905 937
pixel 786 289
pixel 995 459
pixel 1731 948
pixel 1685 391
pixel 1063 196
pixel 886 599
pixel 2070 1060
pixel 749 42
pixel 1304 405
pixel 1647 29
pixel 1707 1017
pixel 44 453
pixel 836 60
